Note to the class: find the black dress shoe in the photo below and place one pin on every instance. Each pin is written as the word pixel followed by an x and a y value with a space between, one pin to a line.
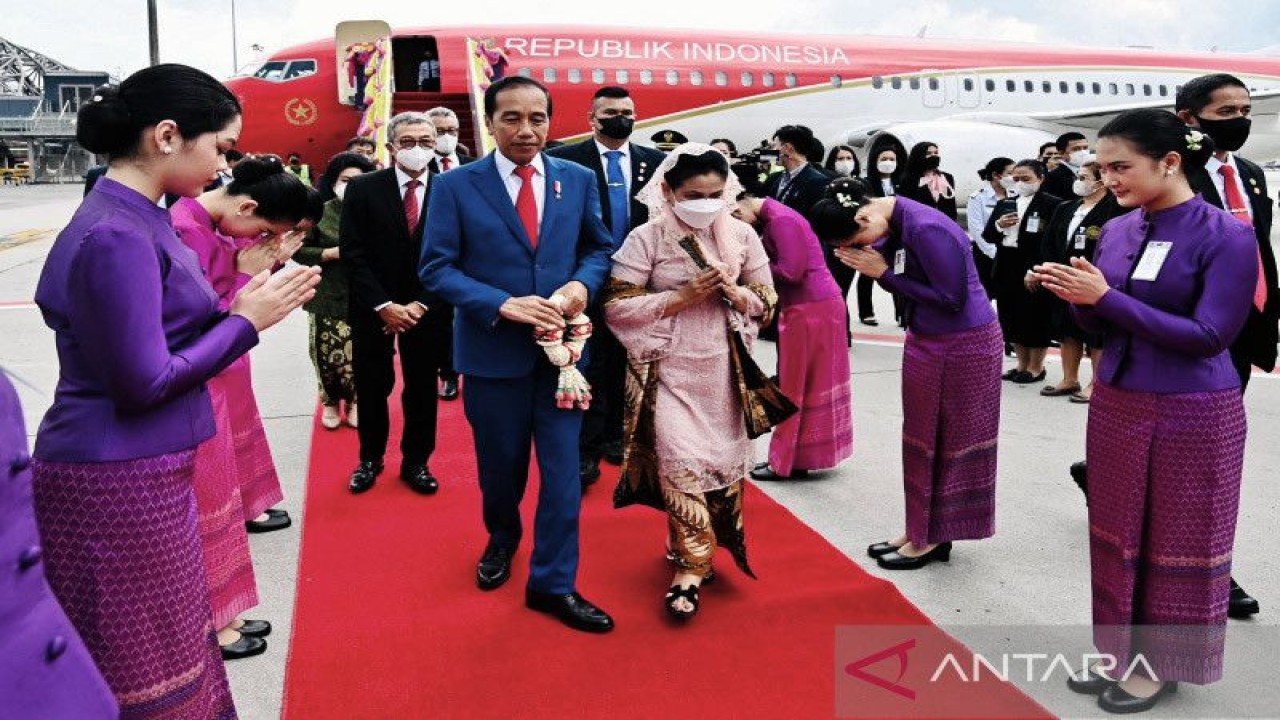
pixel 572 610
pixel 246 646
pixel 613 452
pixel 869 321
pixel 588 472
pixel 449 390
pixel 1089 683
pixel 255 628
pixel 1026 378
pixel 881 549
pixel 494 568
pixel 1080 474
pixel 276 520
pixel 898 561
pixel 1241 605
pixel 419 479
pixel 765 472
pixel 365 475
pixel 1011 374
pixel 1115 700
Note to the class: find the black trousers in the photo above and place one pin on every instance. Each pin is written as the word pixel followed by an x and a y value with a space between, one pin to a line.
pixel 447 372
pixel 423 351
pixel 606 370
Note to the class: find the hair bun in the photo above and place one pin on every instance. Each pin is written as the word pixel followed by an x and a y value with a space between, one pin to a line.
pixel 254 169
pixel 849 187
pixel 104 124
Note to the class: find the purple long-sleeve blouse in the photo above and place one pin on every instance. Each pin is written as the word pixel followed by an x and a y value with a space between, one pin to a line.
pixel 938 280
pixel 1171 334
pixel 138 331
pixel 800 273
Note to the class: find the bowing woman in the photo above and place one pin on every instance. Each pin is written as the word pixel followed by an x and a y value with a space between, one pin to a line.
pixel 950 369
pixel 1169 290
pixel 138 333
pixel 687 449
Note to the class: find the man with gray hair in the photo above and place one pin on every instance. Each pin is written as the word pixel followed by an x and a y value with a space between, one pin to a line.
pixel 447 155
pixel 380 240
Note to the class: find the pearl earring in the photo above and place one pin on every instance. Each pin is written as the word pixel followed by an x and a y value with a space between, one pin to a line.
pixel 167 150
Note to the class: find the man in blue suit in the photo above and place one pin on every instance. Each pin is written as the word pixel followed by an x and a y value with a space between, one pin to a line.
pixel 505 234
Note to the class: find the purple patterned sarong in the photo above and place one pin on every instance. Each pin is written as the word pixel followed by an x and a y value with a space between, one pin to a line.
pixel 950 425
pixel 123 558
pixel 1164 491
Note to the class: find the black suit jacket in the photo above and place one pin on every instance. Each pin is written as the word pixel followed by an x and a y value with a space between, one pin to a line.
pixel 433 166
pixel 1059 181
pixel 1012 263
pixel 380 251
pixel 1257 341
pixel 802 192
pixel 644 163
pixel 1057 246
pixel 910 188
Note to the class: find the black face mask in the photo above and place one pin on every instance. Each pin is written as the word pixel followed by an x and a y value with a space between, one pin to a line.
pixel 933 162
pixel 1228 135
pixel 617 127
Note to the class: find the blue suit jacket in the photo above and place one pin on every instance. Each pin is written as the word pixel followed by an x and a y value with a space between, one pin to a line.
pixel 476 255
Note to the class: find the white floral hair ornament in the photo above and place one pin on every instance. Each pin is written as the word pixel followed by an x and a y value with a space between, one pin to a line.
pixel 846 200
pixel 1194 140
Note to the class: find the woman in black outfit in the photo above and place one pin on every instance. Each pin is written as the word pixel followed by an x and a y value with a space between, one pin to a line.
pixel 925 183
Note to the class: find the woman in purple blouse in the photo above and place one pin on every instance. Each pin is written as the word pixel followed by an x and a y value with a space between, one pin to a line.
pixel 950 368
pixel 138 332
pixel 1169 291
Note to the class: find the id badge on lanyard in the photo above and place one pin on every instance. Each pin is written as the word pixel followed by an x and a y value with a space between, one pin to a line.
pixel 900 261
pixel 1148 267
pixel 1081 237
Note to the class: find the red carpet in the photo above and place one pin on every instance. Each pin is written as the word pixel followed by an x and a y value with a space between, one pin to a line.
pixel 389 623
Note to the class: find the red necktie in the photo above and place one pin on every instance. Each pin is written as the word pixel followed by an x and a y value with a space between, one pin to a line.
pixel 411 204
pixel 1239 209
pixel 447 163
pixel 526 206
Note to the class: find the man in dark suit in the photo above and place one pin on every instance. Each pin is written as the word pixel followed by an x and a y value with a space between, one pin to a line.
pixel 1073 150
pixel 622 168
pixel 1219 105
pixel 446 158
pixel 380 237
pixel 800 184
pixel 515 242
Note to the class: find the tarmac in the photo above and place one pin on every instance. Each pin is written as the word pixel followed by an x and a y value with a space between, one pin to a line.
pixel 1004 595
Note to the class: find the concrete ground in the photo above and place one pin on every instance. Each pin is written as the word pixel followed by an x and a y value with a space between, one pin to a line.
pixel 1012 593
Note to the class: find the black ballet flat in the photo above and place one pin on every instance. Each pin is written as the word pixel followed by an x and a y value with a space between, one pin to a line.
pixel 898 561
pixel 690 593
pixel 255 628
pixel 881 549
pixel 1117 701
pixel 1089 683
pixel 246 646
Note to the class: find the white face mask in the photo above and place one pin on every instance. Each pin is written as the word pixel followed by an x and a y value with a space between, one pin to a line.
pixel 1083 188
pixel 1007 183
pixel 413 159
pixel 1026 189
pixel 340 189
pixel 1079 157
pixel 887 167
pixel 700 213
pixel 844 167
pixel 446 144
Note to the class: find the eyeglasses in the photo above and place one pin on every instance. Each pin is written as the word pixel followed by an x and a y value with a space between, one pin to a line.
pixel 407 142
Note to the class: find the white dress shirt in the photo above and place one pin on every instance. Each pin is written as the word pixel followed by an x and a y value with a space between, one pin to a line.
pixel 507 171
pixel 981 203
pixel 624 161
pixel 1219 182
pixel 402 182
pixel 453 161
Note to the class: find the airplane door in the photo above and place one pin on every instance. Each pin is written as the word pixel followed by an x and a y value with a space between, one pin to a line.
pixel 933 94
pixel 968 91
pixel 355 46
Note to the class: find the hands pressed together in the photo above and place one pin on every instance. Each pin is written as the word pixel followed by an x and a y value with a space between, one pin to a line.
pixel 704 285
pixel 269 253
pixel 267 298
pixel 1080 283
pixel 865 260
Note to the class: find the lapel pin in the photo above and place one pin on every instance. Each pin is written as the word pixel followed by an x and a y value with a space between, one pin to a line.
pixel 555 187
pixel 1253 182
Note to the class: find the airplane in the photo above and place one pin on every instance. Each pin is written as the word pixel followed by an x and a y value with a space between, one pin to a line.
pixel 974 99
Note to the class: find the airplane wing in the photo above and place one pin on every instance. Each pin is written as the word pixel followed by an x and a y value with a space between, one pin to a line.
pixel 1265 102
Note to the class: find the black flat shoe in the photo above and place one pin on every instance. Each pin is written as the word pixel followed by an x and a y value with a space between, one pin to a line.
pixel 676 592
pixel 1116 701
pixel 1241 605
pixel 765 472
pixel 898 561
pixel 1026 378
pixel 1080 474
pixel 246 646
pixel 494 567
pixel 273 512
pixel 449 390
pixel 869 321
pixel 572 610
pixel 1089 683
pixel 365 475
pixel 255 628
pixel 276 520
pixel 419 479
pixel 881 549
pixel 1011 374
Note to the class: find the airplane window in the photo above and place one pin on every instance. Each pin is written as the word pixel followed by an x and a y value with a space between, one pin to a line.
pixel 896 83
pixel 1164 91
pixel 933 83
pixel 791 80
pixel 1063 87
pixel 915 83
pixel 1113 88
pixel 1128 88
pixel 646 77
pixel 695 77
pixel 597 76
pixel 1028 86
pixel 1097 88
pixel 968 84
pixel 549 75
pixel 272 70
pixel 991 85
pixel 525 72
pixel 575 75
pixel 767 79
pixel 836 81
pixel 1046 86
pixel 877 82
pixel 1010 86
pixel 1146 90
pixel 1079 88
pixel 747 79
pixel 622 77
pixel 722 78
pixel 1177 89
pixel 673 77
pixel 300 68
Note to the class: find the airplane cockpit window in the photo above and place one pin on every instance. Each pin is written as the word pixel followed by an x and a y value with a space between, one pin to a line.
pixel 272 70
pixel 300 68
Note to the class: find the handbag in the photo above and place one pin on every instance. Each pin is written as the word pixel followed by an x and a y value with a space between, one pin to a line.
pixel 764 406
